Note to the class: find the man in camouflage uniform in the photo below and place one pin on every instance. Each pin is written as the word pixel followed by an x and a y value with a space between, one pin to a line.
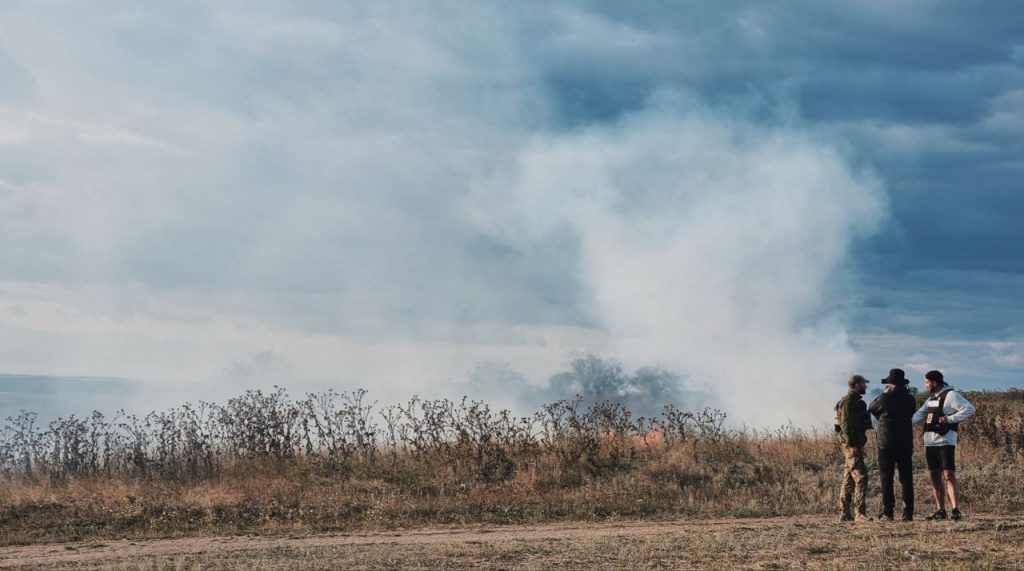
pixel 852 422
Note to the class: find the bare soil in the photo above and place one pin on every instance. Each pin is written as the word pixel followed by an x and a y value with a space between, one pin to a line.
pixel 980 541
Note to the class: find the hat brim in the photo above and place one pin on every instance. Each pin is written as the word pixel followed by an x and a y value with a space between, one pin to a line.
pixel 888 381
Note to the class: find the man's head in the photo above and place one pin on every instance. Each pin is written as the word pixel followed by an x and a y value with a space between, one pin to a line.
pixel 857 384
pixel 933 381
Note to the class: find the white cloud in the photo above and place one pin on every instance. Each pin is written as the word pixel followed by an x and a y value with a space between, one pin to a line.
pixel 1006 114
pixel 967 363
pixel 585 32
pixel 907 140
pixel 1007 353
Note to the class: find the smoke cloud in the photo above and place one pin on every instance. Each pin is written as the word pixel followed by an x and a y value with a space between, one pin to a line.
pixel 385 196
pixel 705 244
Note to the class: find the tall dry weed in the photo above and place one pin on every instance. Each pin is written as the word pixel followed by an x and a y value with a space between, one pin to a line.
pixel 330 460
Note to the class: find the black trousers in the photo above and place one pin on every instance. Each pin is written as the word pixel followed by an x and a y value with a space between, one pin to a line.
pixel 888 460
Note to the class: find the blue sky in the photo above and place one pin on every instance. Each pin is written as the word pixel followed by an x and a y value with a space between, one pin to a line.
pixel 388 193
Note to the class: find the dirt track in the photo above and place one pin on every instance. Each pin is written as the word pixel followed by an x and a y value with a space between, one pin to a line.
pixel 981 541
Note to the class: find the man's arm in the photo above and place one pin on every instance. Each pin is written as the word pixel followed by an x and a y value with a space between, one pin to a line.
pixel 962 408
pixel 876 407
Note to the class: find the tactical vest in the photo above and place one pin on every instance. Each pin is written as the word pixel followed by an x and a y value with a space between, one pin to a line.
pixel 935 412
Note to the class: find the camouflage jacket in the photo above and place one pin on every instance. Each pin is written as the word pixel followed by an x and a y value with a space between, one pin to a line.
pixel 852 417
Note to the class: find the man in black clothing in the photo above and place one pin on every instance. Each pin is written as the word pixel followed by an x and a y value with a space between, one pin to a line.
pixel 894 408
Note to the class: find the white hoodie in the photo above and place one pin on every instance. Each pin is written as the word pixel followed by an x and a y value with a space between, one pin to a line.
pixel 956 409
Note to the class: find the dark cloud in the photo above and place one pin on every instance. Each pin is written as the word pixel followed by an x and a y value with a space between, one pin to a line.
pixel 939 88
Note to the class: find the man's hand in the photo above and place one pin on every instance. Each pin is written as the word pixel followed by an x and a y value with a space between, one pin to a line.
pixel 853 449
pixel 943 420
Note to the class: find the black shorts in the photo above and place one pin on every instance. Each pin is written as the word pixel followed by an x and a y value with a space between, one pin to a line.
pixel 941 457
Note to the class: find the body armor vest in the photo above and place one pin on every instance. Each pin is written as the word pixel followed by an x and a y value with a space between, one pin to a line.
pixel 935 412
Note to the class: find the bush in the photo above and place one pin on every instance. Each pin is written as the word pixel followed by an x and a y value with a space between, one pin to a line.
pixel 331 461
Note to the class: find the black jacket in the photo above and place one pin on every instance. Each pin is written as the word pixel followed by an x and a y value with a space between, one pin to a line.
pixel 894 411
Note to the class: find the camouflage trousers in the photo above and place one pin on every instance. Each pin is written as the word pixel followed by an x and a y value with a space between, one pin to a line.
pixel 855 483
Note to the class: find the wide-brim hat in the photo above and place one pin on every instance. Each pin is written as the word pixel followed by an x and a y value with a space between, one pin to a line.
pixel 896 377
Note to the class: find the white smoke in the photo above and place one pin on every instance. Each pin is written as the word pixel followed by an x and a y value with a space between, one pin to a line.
pixel 705 243
pixel 272 201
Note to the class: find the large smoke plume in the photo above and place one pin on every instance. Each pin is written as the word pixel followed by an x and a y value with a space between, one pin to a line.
pixel 338 195
pixel 705 244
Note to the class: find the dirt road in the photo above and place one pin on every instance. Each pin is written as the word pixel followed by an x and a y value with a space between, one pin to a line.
pixel 978 542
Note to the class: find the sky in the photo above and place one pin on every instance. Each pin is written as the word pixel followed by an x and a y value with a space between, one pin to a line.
pixel 761 197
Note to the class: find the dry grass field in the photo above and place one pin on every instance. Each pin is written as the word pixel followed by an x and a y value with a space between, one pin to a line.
pixel 270 482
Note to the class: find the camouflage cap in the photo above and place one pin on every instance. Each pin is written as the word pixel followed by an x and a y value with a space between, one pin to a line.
pixel 854 379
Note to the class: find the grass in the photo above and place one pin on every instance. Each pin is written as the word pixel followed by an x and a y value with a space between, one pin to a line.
pixel 589 473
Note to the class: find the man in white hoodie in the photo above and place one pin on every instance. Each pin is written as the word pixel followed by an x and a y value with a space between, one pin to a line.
pixel 941 413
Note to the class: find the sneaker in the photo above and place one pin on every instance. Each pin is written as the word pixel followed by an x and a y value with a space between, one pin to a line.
pixel 845 517
pixel 956 515
pixel 907 516
pixel 885 517
pixel 937 516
